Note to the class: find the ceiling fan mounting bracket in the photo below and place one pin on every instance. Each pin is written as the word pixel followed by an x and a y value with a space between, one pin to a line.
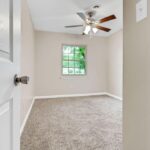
pixel 90 14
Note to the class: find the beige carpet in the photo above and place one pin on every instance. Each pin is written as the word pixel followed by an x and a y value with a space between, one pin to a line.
pixel 83 123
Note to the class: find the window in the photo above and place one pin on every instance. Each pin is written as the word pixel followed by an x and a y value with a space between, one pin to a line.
pixel 73 60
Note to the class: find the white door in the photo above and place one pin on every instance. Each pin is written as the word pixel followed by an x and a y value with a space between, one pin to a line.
pixel 9 66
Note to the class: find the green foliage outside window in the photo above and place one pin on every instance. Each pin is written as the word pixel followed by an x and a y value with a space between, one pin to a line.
pixel 73 61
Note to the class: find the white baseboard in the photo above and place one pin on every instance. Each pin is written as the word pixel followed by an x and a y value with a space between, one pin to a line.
pixel 71 95
pixel 61 96
pixel 26 117
pixel 79 95
pixel 113 96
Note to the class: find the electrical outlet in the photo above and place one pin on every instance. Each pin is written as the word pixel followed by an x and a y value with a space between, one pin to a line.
pixel 141 10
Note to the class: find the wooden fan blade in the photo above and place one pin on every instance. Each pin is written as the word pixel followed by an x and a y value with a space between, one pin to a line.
pixel 82 16
pixel 112 17
pixel 73 26
pixel 103 28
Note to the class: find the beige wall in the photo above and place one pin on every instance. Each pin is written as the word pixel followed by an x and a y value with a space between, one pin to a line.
pixel 115 63
pixel 104 65
pixel 27 60
pixel 136 79
pixel 49 80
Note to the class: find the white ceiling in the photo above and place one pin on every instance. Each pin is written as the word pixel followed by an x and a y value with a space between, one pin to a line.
pixel 53 15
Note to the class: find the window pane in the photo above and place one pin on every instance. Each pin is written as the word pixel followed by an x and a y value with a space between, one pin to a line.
pixel 71 56
pixel 77 50
pixel 71 71
pixel 82 57
pixel 77 71
pixel 77 64
pixel 82 50
pixel 82 64
pixel 65 64
pixel 68 49
pixel 65 56
pixel 65 50
pixel 77 56
pixel 65 71
pixel 82 71
pixel 71 50
pixel 71 64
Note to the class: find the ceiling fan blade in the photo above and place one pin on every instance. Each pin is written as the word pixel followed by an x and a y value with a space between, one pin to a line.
pixel 73 26
pixel 103 28
pixel 111 17
pixel 81 15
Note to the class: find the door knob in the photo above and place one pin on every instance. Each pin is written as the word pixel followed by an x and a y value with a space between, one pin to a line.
pixel 23 80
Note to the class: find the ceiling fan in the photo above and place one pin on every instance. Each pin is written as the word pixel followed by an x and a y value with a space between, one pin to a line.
pixel 92 25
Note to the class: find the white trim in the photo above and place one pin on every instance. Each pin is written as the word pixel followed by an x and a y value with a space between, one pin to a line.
pixel 26 117
pixel 61 96
pixel 79 95
pixel 71 95
pixel 114 96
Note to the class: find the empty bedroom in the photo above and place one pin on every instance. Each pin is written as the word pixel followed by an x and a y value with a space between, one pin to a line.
pixel 72 51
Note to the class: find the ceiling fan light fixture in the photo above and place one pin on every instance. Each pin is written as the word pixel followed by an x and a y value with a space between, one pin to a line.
pixel 87 29
pixel 95 30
